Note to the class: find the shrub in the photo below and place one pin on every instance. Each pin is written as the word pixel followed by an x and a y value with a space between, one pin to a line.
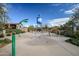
pixel 73 41
pixel 62 32
pixel 68 33
pixel 6 40
pixel 76 35
pixel 23 32
pixel 8 34
pixel 9 30
pixel 1 41
pixel 69 40
pixel 1 35
pixel 74 38
pixel 17 31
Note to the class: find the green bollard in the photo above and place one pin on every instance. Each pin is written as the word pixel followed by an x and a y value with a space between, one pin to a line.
pixel 13 45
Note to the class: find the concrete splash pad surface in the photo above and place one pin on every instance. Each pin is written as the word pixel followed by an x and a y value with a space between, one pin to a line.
pixel 40 44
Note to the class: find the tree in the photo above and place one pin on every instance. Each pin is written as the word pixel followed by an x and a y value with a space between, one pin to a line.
pixel 3 17
pixel 31 28
pixel 75 19
pixel 45 27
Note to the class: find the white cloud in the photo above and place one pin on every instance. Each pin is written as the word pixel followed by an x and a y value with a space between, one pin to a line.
pixel 68 11
pixel 55 4
pixel 61 9
pixel 58 21
pixel 76 5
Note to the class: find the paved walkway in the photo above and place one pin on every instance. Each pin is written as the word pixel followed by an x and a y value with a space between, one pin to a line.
pixel 41 44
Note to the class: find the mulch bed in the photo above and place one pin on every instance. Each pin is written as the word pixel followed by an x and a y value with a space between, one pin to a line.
pixel 4 42
pixel 2 45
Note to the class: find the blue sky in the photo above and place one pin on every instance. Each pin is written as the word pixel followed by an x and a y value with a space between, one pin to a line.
pixel 51 13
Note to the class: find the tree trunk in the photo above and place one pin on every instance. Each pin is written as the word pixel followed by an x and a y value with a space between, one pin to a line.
pixel 75 28
pixel 4 33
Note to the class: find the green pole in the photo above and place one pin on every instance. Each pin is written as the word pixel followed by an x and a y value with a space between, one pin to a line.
pixel 13 45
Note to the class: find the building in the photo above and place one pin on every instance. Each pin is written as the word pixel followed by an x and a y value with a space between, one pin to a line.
pixel 11 26
pixel 25 29
pixel 15 26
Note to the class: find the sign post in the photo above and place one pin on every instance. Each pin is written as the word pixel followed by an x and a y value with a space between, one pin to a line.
pixel 39 23
pixel 13 45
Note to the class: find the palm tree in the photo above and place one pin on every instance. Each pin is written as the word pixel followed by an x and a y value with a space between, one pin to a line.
pixel 3 17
